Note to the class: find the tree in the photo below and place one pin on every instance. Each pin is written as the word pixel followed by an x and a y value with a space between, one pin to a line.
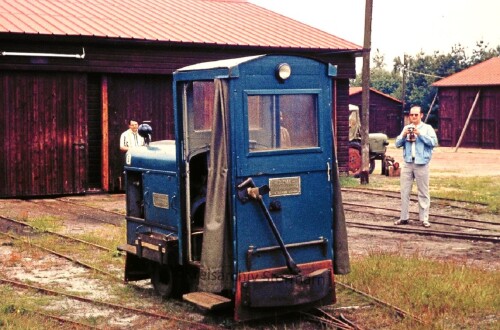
pixel 421 71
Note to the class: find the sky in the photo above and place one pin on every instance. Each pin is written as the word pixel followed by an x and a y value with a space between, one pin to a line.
pixel 400 26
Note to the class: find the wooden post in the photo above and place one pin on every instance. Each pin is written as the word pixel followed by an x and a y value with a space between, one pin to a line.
pixel 403 93
pixel 105 135
pixel 468 119
pixel 365 107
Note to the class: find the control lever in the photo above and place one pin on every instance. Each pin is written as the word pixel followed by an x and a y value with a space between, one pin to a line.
pixel 246 191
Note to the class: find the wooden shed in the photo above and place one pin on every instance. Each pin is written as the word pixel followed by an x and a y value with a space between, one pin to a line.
pixel 72 74
pixel 385 111
pixel 469 102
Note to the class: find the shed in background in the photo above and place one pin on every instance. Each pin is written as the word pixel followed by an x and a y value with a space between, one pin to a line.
pixel 479 85
pixel 385 111
pixel 72 74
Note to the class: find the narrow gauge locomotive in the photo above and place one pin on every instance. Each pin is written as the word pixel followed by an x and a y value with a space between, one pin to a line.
pixel 244 207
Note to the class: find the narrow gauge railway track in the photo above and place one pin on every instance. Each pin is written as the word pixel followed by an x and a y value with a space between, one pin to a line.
pixel 61 322
pixel 130 310
pixel 325 318
pixel 71 259
pixel 328 320
pixel 107 216
pixel 395 194
pixel 424 232
pixel 69 201
pixel 20 226
pixel 444 216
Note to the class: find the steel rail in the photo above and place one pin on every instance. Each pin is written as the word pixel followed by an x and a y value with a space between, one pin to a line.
pixel 435 222
pixel 101 303
pixel 56 234
pixel 427 232
pixel 44 204
pixel 328 321
pixel 59 320
pixel 381 302
pixel 341 318
pixel 80 263
pixel 431 214
pixel 65 200
pixel 395 194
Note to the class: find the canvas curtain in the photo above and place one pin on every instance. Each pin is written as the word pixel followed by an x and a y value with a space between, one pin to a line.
pixel 341 264
pixel 216 272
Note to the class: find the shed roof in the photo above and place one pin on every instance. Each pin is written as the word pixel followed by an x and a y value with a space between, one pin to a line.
pixel 216 22
pixel 486 73
pixel 356 90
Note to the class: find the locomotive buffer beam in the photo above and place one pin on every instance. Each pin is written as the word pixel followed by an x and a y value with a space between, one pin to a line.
pixel 248 191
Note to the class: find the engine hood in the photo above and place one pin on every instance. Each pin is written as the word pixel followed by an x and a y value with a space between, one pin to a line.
pixel 158 156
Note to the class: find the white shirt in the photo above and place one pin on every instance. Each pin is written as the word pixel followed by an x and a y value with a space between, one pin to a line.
pixel 130 139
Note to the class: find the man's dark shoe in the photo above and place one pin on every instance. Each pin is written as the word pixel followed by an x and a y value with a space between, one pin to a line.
pixel 401 222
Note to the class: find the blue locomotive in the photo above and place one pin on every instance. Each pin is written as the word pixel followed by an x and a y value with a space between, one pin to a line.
pixel 244 207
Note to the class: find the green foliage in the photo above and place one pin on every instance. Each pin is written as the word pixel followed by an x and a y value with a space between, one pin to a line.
pixel 418 72
pixel 46 223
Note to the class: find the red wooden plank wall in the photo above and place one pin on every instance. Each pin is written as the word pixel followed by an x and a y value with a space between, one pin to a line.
pixel 43 133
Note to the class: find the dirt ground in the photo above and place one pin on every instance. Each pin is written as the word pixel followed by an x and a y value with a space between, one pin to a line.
pixel 445 162
pixel 464 162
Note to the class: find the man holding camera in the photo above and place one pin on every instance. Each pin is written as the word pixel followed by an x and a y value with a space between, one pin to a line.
pixel 418 140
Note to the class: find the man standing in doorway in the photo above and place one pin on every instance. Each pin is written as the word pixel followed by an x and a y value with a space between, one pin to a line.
pixel 130 138
pixel 418 139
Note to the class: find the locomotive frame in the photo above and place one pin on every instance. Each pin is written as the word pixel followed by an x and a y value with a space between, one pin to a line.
pixel 244 207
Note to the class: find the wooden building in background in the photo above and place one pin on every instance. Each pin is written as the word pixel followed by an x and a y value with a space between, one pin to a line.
pixel 72 74
pixel 385 111
pixel 469 105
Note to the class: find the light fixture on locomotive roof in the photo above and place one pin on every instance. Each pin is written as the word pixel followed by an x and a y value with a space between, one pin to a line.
pixel 283 71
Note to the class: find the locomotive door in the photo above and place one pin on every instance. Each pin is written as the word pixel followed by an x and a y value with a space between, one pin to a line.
pixel 287 147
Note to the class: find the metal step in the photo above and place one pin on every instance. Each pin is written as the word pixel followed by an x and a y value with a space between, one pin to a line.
pixel 207 300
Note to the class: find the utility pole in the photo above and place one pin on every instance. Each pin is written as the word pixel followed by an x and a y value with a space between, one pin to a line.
pixel 365 96
pixel 403 104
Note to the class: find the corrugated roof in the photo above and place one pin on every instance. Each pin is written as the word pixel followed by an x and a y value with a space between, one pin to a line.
pixel 356 90
pixel 218 22
pixel 486 73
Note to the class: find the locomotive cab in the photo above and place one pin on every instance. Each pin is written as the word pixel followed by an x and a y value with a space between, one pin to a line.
pixel 240 208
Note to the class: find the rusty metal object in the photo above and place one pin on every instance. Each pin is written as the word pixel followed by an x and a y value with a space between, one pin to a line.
pixel 287 290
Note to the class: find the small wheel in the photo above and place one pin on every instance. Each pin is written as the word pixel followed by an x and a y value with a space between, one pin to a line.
pixel 162 279
pixel 354 161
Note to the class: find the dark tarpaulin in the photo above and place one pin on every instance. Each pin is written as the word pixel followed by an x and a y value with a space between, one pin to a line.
pixel 341 264
pixel 216 272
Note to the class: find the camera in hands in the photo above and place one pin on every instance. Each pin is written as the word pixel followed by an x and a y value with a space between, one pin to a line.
pixel 411 133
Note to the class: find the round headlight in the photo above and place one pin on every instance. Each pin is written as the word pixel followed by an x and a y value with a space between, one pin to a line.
pixel 284 71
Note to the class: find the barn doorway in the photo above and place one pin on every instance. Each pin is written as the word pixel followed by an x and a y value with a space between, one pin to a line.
pixel 94 122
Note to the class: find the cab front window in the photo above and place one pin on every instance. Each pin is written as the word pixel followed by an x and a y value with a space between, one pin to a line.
pixel 284 121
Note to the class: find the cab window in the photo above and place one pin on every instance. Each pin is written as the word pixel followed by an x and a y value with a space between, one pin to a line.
pixel 285 121
pixel 198 104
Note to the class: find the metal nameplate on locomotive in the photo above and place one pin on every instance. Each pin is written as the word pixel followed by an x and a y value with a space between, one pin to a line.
pixel 284 186
pixel 161 201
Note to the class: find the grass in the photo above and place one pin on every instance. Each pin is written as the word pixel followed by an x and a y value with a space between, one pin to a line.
pixel 16 310
pixel 445 295
pixel 45 223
